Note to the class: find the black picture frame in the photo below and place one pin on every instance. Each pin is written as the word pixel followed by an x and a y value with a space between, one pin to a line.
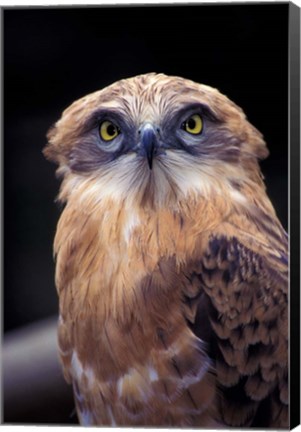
pixel 54 55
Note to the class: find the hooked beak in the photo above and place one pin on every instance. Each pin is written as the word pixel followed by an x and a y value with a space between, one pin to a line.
pixel 149 142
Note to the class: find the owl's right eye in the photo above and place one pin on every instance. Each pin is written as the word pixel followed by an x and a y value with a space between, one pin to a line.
pixel 193 125
pixel 108 130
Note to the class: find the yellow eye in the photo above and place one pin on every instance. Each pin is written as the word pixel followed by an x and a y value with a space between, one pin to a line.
pixel 193 125
pixel 108 131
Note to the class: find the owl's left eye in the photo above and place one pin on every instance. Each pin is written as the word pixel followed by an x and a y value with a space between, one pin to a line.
pixel 108 130
pixel 193 125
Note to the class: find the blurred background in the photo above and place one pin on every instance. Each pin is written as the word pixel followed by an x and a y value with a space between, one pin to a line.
pixel 53 56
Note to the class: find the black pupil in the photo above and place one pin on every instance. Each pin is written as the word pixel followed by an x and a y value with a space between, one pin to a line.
pixel 191 123
pixel 111 130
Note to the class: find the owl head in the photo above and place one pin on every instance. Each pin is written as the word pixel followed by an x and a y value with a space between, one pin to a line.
pixel 154 138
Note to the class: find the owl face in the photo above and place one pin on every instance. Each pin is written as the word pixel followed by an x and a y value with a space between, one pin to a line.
pixel 150 138
pixel 155 136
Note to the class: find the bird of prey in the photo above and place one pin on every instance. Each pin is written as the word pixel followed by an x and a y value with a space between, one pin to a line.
pixel 171 264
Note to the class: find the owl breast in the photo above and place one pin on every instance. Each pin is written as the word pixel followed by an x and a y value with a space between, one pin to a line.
pixel 132 358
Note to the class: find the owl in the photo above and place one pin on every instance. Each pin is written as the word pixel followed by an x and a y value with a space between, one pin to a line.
pixel 171 264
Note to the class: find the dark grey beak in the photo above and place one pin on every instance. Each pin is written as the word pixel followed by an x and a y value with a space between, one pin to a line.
pixel 149 142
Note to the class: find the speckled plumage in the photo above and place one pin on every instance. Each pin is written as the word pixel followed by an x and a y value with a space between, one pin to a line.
pixel 172 281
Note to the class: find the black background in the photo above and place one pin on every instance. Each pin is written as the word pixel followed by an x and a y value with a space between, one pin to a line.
pixel 53 56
